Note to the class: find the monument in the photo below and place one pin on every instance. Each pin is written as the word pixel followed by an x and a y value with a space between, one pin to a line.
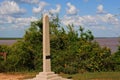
pixel 47 74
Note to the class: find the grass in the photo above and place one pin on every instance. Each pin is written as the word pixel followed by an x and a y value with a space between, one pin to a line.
pixel 80 76
pixel 95 76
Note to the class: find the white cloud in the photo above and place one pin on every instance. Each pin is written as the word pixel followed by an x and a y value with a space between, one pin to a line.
pixel 31 1
pixel 108 19
pixel 23 22
pixel 92 21
pixel 10 7
pixel 72 10
pixel 8 12
pixel 16 22
pixel 89 20
pixel 57 10
pixel 25 1
pixel 5 19
pixel 40 7
pixel 100 9
pixel 76 20
pixel 79 20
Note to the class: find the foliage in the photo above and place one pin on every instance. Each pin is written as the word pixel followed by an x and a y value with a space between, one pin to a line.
pixel 72 51
pixel 28 51
pixel 3 63
pixel 116 59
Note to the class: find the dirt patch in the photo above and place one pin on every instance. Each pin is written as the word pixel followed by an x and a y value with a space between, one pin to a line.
pixel 5 76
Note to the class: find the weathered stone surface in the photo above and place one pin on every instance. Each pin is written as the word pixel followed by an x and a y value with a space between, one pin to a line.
pixel 46 45
pixel 47 74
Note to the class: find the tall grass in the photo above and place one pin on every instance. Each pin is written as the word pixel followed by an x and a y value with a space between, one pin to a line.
pixel 95 76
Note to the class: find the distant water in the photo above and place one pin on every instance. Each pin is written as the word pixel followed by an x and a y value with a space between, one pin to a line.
pixel 112 43
pixel 7 42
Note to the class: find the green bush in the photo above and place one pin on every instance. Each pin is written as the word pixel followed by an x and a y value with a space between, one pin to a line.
pixel 71 51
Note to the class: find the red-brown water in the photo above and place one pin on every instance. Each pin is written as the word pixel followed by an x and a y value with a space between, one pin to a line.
pixel 7 42
pixel 112 43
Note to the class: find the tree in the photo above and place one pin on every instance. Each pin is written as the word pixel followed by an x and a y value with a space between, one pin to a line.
pixel 71 50
pixel 88 36
pixel 116 59
pixel 4 49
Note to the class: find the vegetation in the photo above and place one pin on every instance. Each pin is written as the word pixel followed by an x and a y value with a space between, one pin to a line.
pixel 116 59
pixel 94 76
pixel 72 51
pixel 84 76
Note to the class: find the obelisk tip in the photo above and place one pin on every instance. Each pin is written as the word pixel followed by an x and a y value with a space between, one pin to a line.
pixel 45 15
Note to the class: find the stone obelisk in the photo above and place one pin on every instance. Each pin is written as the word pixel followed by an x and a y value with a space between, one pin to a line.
pixel 46 45
pixel 47 74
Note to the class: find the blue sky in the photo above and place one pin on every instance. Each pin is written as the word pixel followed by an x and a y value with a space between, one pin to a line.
pixel 102 17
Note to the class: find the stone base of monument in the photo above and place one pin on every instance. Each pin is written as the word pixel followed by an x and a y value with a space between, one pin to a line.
pixel 48 76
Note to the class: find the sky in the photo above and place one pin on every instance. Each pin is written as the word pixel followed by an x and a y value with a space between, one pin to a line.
pixel 102 17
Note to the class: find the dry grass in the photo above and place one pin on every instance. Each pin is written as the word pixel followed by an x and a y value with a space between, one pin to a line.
pixel 84 76
pixel 16 76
